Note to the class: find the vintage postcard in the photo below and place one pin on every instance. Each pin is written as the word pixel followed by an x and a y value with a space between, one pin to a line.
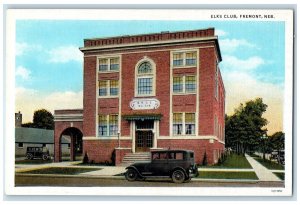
pixel 192 102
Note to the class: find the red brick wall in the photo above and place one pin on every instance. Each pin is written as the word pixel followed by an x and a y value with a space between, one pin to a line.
pixel 89 96
pixel 108 106
pixel 184 103
pixel 207 58
pixel 101 150
pixel 162 61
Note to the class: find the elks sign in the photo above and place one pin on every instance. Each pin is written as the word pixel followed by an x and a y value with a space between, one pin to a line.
pixel 144 104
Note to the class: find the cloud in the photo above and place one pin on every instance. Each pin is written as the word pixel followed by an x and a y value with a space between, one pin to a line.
pixel 65 54
pixel 234 63
pixel 23 48
pixel 221 33
pixel 231 45
pixel 29 100
pixel 23 72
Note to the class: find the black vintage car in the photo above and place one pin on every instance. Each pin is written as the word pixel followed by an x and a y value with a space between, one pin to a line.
pixel 37 152
pixel 178 165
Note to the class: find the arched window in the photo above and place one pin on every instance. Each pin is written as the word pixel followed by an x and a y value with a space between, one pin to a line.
pixel 145 78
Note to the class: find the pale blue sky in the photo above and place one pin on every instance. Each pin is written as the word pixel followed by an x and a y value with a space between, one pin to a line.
pixel 49 63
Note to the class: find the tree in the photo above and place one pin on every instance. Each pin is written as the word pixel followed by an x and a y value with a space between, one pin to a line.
pixel 244 128
pixel 276 141
pixel 43 119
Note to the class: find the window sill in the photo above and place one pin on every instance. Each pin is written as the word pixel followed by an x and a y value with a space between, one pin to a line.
pixel 184 94
pixel 109 71
pixel 107 97
pixel 188 66
pixel 143 96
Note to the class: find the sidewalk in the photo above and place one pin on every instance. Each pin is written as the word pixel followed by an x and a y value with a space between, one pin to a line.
pixel 261 172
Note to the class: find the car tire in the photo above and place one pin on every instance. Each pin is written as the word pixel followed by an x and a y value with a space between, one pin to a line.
pixel 29 156
pixel 131 175
pixel 45 157
pixel 178 176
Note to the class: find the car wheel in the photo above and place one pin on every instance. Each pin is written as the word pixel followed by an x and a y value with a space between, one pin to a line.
pixel 45 157
pixel 178 176
pixel 131 175
pixel 29 156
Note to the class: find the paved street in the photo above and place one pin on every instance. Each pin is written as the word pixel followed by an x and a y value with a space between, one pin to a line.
pixel 23 180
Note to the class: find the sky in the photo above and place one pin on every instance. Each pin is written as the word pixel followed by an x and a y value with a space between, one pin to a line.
pixel 49 65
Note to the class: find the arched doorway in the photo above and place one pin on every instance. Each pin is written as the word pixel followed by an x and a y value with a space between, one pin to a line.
pixel 71 144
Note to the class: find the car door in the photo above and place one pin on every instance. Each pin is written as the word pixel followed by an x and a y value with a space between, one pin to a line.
pixel 160 165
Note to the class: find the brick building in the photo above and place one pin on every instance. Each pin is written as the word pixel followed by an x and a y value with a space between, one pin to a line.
pixel 153 91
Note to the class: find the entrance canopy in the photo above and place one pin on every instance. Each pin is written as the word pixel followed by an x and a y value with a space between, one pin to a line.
pixel 142 117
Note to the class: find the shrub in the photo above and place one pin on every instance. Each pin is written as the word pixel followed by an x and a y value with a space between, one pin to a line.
pixel 204 162
pixel 85 159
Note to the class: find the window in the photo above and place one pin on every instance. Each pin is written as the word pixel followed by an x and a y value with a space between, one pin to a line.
pixel 184 84
pixel 190 123
pixel 190 84
pixel 113 124
pixel 108 125
pixel 114 64
pixel 184 121
pixel 145 79
pixel 114 87
pixel 183 59
pixel 102 88
pixel 178 59
pixel 177 123
pixel 177 84
pixel 144 86
pixel 190 58
pixel 103 65
pixel 108 88
pixel 102 125
pixel 109 64
pixel 20 145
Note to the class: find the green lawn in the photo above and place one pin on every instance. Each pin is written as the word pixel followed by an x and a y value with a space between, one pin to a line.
pixel 280 175
pixel 233 161
pixel 269 164
pixel 34 161
pixel 62 170
pixel 226 175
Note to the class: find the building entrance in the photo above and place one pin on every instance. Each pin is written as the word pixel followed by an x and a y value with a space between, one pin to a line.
pixel 144 135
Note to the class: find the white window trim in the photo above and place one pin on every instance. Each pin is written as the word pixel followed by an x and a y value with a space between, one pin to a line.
pixel 107 127
pixel 184 59
pixel 108 90
pixel 108 64
pixel 184 124
pixel 139 76
pixel 184 92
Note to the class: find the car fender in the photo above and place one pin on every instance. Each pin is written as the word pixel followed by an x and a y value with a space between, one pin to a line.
pixel 133 167
pixel 179 168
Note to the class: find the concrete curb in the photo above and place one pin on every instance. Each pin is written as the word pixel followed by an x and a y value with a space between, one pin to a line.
pixel 71 176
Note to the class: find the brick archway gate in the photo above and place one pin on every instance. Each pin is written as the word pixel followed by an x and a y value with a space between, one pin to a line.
pixel 68 123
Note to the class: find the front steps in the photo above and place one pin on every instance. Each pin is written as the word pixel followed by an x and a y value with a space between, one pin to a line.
pixel 131 158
